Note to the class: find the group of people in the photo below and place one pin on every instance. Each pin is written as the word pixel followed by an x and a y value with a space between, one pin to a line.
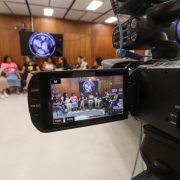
pixel 82 64
pixel 64 103
pixel 11 75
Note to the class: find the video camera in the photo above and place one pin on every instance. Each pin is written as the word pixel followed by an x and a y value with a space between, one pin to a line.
pixel 148 90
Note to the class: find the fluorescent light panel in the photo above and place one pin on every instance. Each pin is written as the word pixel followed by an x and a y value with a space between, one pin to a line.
pixel 111 20
pixel 94 5
pixel 48 11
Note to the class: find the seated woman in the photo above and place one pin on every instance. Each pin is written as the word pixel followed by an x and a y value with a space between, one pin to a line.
pixel 84 64
pixel 78 64
pixel 58 104
pixel 74 101
pixel 97 99
pixel 82 98
pixel 12 73
pixel 114 101
pixel 49 64
pixel 90 100
pixel 29 69
pixel 66 101
pixel 97 63
pixel 63 64
pixel 3 85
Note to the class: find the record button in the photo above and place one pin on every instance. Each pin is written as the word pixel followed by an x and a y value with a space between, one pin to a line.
pixel 35 95
pixel 37 111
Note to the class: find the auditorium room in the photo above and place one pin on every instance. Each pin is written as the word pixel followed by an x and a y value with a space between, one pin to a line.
pixel 66 43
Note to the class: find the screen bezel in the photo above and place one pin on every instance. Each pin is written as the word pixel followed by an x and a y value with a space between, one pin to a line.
pixel 44 79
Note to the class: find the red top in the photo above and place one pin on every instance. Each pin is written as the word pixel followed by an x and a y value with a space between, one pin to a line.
pixel 9 67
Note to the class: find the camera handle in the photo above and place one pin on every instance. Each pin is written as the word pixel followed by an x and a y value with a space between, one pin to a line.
pixel 161 154
pixel 164 47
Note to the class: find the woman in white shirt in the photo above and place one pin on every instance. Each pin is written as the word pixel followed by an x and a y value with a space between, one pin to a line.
pixel 84 64
pixel 49 64
pixel 66 101
pixel 90 100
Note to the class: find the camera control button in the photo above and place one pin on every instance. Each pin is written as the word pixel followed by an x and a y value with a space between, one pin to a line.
pixel 37 111
pixel 35 95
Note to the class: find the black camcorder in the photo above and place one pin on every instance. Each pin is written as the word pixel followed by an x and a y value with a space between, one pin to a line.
pixel 149 91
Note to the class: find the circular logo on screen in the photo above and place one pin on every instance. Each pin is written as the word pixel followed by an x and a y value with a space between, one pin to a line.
pixel 178 33
pixel 88 86
pixel 42 44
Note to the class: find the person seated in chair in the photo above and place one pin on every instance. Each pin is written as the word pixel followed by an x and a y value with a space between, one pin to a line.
pixel 74 101
pixel 29 69
pixel 90 100
pixel 12 73
pixel 66 101
pixel 84 64
pixel 106 101
pixel 97 99
pixel 63 64
pixel 49 64
pixel 3 85
pixel 114 101
pixel 82 98
pixel 105 98
pixel 58 104
pixel 78 64
pixel 97 63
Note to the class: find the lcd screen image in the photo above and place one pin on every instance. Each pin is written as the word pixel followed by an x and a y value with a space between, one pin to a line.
pixel 178 33
pixel 79 99
pixel 41 44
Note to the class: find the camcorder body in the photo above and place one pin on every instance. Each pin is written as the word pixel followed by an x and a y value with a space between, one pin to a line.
pixel 153 97
pixel 149 91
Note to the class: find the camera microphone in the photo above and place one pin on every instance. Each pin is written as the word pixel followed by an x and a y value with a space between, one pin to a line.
pixel 115 7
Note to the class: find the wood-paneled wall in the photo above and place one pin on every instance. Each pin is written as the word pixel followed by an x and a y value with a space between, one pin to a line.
pixel 80 38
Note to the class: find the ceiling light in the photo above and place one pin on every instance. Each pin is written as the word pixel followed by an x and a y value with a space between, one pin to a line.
pixel 111 20
pixel 48 11
pixel 94 5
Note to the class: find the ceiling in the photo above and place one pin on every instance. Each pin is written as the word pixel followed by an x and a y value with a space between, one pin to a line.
pixel 63 9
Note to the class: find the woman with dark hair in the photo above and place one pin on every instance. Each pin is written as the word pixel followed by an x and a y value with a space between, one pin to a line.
pixel 11 70
pixel 82 98
pixel 78 64
pixel 66 101
pixel 63 64
pixel 49 64
pixel 90 100
pixel 58 104
pixel 97 63
pixel 29 69
pixel 114 101
pixel 74 101
pixel 97 99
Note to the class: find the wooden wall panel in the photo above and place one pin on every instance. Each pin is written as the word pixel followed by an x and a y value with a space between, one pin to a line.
pixel 49 25
pixel 9 22
pixel 102 46
pixel 102 29
pixel 76 27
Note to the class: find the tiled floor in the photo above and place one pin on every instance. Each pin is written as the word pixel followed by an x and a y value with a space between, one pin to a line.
pixel 102 152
